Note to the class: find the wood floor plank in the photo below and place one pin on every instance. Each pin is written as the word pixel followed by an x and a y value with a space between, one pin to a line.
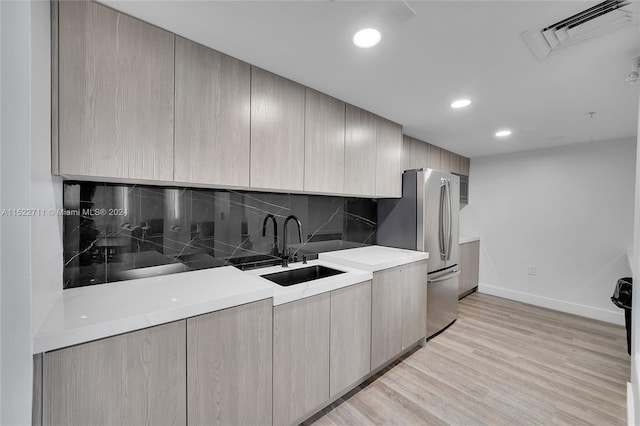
pixel 501 363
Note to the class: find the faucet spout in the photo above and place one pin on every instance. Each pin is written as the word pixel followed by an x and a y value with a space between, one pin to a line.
pixel 285 242
pixel 274 249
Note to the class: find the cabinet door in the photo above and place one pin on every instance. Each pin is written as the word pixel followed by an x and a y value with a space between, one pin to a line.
pixel 300 357
pixel 277 132
pixel 132 379
pixel 386 315
pixel 464 166
pixel 389 158
pixel 115 97
pixel 212 133
pixel 414 303
pixel 469 264
pixel 434 157
pixel 229 355
pixel 324 143
pixel 444 160
pixel 475 262
pixel 454 162
pixel 419 154
pixel 406 152
pixel 360 152
pixel 463 269
pixel 350 358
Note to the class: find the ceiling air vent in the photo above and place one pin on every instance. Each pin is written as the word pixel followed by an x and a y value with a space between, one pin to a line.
pixel 603 17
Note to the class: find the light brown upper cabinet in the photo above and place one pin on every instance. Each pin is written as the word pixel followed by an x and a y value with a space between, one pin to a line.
pixel 360 152
pixel 389 158
pixel 212 131
pixel 434 157
pixel 323 143
pixel 115 95
pixel 445 165
pixel 406 152
pixel 464 166
pixel 419 154
pixel 454 162
pixel 277 132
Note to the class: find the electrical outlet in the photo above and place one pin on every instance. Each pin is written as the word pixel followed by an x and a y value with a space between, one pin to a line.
pixel 532 270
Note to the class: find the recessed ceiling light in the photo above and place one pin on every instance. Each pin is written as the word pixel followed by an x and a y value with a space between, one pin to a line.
pixel 368 37
pixel 460 103
pixel 503 133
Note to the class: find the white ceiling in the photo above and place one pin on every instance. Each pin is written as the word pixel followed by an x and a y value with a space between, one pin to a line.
pixel 451 49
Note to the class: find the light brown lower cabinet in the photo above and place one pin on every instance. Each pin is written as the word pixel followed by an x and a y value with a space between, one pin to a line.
pixel 229 366
pixel 386 316
pixel 213 369
pixel 414 303
pixel 137 378
pixel 321 348
pixel 398 310
pixel 250 364
pixel 300 357
pixel 469 267
pixel 350 357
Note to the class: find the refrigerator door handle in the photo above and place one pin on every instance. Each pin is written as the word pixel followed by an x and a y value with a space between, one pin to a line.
pixel 441 219
pixel 449 220
pixel 444 277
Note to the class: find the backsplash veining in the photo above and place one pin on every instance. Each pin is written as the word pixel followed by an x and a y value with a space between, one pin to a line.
pixel 120 232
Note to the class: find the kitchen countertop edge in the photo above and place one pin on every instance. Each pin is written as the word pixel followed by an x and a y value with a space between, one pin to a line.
pixel 368 258
pixel 147 302
pixel 86 314
pixel 464 239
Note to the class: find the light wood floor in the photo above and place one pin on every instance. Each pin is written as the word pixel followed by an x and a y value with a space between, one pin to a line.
pixel 500 363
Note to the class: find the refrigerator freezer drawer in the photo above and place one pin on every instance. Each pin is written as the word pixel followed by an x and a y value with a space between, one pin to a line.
pixel 442 302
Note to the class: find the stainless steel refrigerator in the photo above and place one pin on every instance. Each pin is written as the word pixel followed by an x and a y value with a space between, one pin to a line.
pixel 426 219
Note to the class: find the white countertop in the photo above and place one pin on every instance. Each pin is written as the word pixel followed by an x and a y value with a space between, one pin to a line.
pixel 373 258
pixel 89 313
pixel 287 294
pixel 463 239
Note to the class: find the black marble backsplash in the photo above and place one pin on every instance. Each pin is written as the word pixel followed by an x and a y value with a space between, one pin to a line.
pixel 118 232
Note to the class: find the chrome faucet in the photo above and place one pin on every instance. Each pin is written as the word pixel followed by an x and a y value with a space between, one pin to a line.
pixel 285 242
pixel 274 248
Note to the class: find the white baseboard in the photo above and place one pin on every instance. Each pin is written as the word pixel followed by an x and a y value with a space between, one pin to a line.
pixel 630 408
pixel 555 304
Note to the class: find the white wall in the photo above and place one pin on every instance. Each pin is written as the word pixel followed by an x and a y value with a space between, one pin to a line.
pixel 568 211
pixel 46 189
pixel 31 247
pixel 634 409
pixel 1 73
pixel 15 151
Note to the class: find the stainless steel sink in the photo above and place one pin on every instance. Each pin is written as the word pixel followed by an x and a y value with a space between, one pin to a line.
pixel 297 276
